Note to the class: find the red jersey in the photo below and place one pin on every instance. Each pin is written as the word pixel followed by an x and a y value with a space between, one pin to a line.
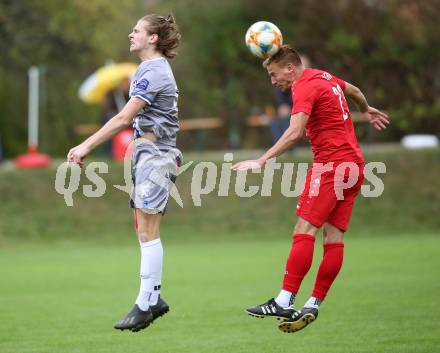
pixel 329 127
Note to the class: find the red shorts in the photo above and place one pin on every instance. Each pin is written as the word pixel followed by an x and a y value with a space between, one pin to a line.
pixel 329 193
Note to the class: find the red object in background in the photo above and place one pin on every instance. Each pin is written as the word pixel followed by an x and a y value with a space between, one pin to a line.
pixel 33 159
pixel 120 144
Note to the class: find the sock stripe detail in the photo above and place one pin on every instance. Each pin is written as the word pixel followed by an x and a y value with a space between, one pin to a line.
pixel 317 302
pixel 292 299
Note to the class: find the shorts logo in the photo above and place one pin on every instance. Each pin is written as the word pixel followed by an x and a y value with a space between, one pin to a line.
pixel 142 84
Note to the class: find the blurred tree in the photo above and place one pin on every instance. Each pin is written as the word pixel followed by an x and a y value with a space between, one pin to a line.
pixel 71 39
pixel 389 48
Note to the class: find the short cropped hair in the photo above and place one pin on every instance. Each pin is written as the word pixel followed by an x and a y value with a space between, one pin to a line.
pixel 285 55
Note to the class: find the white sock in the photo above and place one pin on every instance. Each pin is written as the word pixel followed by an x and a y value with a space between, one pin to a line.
pixel 312 303
pixel 285 298
pixel 150 273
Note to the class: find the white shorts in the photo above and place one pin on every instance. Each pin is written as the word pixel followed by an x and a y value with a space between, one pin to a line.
pixel 153 172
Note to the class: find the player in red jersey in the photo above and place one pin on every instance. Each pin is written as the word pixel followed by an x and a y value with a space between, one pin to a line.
pixel 332 183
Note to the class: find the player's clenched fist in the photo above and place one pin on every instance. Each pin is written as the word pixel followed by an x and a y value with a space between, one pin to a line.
pixel 77 154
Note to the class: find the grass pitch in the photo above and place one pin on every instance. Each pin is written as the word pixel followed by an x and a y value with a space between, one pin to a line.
pixel 67 274
pixel 65 298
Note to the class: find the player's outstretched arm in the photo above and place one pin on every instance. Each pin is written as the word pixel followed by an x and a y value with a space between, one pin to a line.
pixel 116 124
pixel 288 139
pixel 375 117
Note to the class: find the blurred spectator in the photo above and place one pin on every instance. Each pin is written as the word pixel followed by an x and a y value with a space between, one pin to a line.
pixel 279 122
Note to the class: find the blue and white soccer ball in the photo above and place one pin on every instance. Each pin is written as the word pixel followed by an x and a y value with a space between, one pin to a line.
pixel 263 39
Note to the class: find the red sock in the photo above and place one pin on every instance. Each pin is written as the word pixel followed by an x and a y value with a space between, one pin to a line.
pixel 298 262
pixel 328 270
pixel 135 220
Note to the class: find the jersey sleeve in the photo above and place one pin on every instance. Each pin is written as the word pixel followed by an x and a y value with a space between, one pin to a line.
pixel 146 86
pixel 340 82
pixel 303 98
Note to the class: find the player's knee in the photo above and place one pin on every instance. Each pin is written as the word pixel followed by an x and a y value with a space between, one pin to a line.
pixel 332 234
pixel 305 227
pixel 147 235
pixel 333 239
pixel 148 232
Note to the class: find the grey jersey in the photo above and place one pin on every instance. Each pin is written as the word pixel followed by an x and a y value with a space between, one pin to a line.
pixel 154 83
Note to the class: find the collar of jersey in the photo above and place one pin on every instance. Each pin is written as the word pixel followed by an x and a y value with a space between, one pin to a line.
pixel 150 60
pixel 303 75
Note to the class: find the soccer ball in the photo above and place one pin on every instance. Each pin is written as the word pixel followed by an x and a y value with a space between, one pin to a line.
pixel 263 39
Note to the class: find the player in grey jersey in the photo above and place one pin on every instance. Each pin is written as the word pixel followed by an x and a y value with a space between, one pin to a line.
pixel 152 109
pixel 154 83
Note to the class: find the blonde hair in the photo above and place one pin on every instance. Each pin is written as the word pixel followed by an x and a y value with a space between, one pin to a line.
pixel 167 31
pixel 285 55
